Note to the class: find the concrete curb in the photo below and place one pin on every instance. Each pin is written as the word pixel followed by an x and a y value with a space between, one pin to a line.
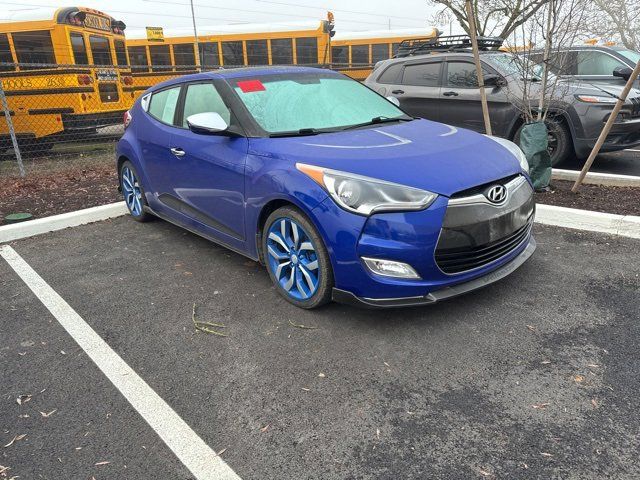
pixel 593 178
pixel 58 222
pixel 623 225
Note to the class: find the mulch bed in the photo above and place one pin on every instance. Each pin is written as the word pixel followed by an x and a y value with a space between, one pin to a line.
pixel 63 191
pixel 620 200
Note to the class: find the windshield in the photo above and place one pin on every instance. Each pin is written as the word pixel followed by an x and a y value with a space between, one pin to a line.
pixel 316 101
pixel 630 54
pixel 512 65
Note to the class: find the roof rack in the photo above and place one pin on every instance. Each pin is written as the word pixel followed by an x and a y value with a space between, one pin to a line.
pixel 450 43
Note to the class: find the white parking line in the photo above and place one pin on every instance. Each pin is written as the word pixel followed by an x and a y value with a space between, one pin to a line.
pixel 190 449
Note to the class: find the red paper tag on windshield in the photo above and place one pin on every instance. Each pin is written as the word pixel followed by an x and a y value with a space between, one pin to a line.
pixel 248 86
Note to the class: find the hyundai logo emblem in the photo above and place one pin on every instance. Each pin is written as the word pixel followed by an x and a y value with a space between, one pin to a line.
pixel 497 194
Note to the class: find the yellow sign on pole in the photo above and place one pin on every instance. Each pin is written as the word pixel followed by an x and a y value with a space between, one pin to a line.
pixel 154 34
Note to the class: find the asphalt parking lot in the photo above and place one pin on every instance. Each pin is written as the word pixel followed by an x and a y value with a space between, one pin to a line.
pixel 534 377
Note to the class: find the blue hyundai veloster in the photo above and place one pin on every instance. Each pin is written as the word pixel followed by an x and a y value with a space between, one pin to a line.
pixel 335 189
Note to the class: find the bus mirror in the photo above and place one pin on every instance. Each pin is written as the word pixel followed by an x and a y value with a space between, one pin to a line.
pixel 207 122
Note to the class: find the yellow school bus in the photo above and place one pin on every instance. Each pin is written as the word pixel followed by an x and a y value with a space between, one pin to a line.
pixel 63 71
pixel 158 54
pixel 355 53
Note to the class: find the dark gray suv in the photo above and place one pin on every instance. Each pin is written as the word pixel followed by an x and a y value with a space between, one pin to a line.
pixel 443 87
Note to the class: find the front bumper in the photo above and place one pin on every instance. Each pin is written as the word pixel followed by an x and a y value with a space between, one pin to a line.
pixel 455 241
pixel 446 293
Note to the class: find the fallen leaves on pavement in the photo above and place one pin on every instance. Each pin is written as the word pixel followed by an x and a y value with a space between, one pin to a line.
pixel 16 438
pixel 207 327
pixel 297 325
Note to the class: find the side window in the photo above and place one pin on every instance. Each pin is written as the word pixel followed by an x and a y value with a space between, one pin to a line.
pixel 163 105
pixel 138 58
pixel 596 63
pixel 306 50
pixel 5 53
pixel 282 51
pixel 379 51
pixel 79 49
pixel 34 47
pixel 184 55
pixel 201 98
pixel 359 54
pixel 160 58
pixel 209 54
pixel 422 74
pixel 461 75
pixel 232 53
pixel 391 74
pixel 257 53
pixel 340 55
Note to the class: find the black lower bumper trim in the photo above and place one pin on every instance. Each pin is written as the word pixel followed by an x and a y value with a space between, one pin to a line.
pixel 446 293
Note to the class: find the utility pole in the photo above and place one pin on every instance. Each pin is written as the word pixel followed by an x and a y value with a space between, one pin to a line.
pixel 476 56
pixel 195 34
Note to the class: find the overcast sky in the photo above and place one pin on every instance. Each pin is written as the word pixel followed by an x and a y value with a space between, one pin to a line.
pixel 350 15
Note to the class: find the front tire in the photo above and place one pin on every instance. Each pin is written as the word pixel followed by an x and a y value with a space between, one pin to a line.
pixel 133 193
pixel 296 259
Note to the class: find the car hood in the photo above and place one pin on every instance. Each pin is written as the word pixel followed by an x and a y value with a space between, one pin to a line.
pixel 422 154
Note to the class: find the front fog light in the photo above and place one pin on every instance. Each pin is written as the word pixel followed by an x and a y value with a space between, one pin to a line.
pixel 389 268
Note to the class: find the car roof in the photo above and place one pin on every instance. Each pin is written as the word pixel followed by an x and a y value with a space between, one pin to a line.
pixel 241 72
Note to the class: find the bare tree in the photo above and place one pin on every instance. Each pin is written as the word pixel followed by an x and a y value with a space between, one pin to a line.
pixel 617 20
pixel 493 17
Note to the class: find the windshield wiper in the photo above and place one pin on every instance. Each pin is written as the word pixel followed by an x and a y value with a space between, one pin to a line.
pixel 296 133
pixel 377 120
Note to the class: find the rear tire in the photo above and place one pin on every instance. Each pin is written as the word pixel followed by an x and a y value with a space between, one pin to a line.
pixel 297 259
pixel 133 193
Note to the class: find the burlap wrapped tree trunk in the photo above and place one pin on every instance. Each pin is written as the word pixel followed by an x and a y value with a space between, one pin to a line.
pixel 534 142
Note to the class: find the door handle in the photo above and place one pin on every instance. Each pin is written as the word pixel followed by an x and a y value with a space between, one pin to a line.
pixel 397 92
pixel 450 94
pixel 178 152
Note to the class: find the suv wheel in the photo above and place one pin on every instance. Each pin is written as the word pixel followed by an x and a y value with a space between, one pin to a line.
pixel 560 147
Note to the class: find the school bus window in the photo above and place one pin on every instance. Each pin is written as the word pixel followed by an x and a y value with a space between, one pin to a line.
pixel 34 47
pixel 306 50
pixel 394 48
pixel 101 50
pixel 184 56
pixel 121 52
pixel 79 49
pixel 281 51
pixel 138 58
pixel 379 51
pixel 5 53
pixel 340 55
pixel 257 53
pixel 160 58
pixel 232 53
pixel 359 54
pixel 209 54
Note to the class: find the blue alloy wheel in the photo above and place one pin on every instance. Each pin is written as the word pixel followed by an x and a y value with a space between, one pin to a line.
pixel 131 191
pixel 292 259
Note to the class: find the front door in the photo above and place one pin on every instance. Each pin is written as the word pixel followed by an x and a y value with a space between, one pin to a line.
pixel 207 172
pixel 419 89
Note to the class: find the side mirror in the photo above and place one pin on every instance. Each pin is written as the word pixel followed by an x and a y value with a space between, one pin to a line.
pixel 494 81
pixel 394 100
pixel 622 72
pixel 207 122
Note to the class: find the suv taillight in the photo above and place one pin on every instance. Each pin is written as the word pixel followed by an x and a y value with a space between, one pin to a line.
pixel 126 119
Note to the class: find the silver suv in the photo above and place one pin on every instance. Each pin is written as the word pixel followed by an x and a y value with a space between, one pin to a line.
pixel 443 86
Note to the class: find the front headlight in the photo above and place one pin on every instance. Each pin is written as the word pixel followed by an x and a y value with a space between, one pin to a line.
pixel 596 99
pixel 514 149
pixel 364 195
